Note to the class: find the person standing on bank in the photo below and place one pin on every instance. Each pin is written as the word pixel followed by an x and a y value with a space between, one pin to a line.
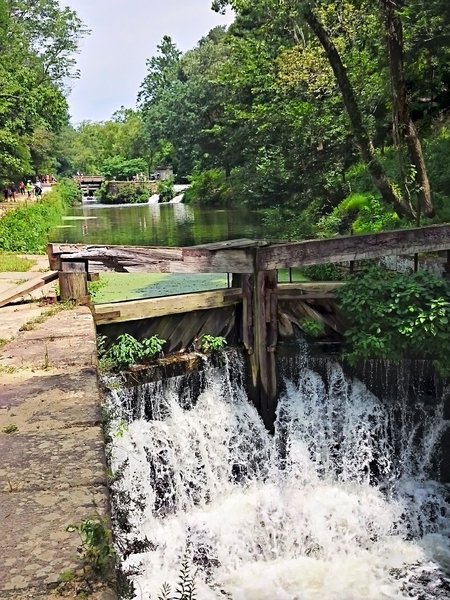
pixel 29 188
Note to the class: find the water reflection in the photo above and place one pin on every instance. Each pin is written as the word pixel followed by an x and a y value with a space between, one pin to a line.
pixel 157 224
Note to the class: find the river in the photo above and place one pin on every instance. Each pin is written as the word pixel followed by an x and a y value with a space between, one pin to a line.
pixel 156 225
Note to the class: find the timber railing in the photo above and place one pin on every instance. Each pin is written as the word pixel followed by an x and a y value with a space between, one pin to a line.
pixel 254 284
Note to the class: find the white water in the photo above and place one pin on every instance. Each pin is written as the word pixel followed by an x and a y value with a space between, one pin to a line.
pixel 325 510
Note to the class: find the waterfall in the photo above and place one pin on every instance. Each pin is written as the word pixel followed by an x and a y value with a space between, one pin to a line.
pixel 337 505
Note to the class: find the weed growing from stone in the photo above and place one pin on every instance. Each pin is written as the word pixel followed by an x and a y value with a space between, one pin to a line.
pixel 211 343
pixel 98 553
pixel 32 323
pixel 10 429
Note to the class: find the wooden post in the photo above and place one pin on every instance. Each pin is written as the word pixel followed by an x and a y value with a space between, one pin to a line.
pixel 265 334
pixel 73 282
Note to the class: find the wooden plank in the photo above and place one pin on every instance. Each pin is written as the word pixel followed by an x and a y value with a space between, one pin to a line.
pixel 356 247
pixel 308 291
pixel 127 259
pixel 26 288
pixel 168 305
pixel 130 259
pixel 239 243
pixel 230 260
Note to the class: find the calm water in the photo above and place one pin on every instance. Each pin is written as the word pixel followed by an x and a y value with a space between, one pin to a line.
pixel 156 225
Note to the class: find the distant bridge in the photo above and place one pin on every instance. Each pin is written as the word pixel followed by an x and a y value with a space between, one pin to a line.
pixel 89 183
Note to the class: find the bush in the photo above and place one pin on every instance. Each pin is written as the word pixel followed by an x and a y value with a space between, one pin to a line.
pixel 27 228
pixel 127 193
pixel 127 351
pixel 166 190
pixel 209 188
pixel 358 213
pixel 398 316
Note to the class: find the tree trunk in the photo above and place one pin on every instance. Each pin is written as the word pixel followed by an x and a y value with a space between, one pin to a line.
pixel 402 118
pixel 375 168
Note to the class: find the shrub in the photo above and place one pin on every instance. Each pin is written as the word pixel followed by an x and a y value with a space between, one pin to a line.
pixel 312 327
pixel 398 316
pixel 127 193
pixel 166 190
pixel 210 343
pixel 209 188
pixel 358 213
pixel 127 351
pixel 96 543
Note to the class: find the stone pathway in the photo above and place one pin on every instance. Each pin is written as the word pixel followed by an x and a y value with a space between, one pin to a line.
pixel 52 468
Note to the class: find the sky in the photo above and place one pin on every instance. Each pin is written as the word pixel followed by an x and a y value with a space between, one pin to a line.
pixel 124 33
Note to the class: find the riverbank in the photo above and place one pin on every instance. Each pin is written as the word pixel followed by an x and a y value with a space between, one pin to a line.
pixel 26 226
pixel 53 472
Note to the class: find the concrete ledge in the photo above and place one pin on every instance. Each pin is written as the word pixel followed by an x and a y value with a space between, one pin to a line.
pixel 52 468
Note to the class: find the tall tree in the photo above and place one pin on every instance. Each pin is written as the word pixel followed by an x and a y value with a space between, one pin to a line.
pixel 403 123
pixel 297 14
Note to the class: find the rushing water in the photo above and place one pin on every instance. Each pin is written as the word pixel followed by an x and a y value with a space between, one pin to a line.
pixel 336 506
pixel 156 225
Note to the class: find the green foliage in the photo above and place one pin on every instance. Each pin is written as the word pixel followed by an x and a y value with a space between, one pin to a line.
pixel 27 228
pixel 324 272
pixel 39 40
pixel 209 188
pixel 10 429
pixel 312 327
pixel 152 347
pixel 95 287
pixel 124 193
pixel 165 189
pixel 361 212
pixel 96 543
pixel 119 168
pixel 127 351
pixel 211 343
pixel 67 576
pixel 69 192
pixel 398 316
pixel 185 588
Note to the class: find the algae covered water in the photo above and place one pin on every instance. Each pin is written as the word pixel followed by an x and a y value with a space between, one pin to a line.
pixel 338 505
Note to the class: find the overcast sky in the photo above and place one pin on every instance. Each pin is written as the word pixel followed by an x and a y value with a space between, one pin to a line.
pixel 124 33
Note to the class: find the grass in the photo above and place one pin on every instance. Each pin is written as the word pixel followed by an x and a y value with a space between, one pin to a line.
pixel 3 342
pixel 32 323
pixel 10 263
pixel 10 429
pixel 8 369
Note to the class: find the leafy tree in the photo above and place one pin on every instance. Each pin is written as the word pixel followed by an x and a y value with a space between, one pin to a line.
pixel 38 40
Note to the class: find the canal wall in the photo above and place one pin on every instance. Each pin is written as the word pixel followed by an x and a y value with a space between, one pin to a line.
pixel 52 472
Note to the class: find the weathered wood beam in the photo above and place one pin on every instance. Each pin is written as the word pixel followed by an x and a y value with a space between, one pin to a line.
pixel 131 259
pixel 314 290
pixel 18 291
pixel 357 247
pixel 119 312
